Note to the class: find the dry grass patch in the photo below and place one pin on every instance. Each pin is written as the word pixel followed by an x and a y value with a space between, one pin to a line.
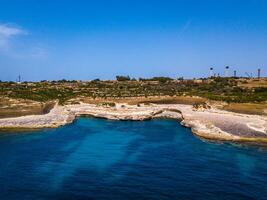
pixel 247 108
pixel 155 99
pixel 253 83
pixel 20 107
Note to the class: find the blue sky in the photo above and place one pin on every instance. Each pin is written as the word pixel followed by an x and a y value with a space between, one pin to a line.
pixel 86 39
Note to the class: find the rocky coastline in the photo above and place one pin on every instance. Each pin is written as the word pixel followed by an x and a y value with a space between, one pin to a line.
pixel 212 123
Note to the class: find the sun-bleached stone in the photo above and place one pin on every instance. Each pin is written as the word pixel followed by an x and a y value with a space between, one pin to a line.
pixel 210 123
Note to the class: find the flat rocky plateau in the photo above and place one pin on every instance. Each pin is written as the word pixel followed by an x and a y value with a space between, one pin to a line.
pixel 207 123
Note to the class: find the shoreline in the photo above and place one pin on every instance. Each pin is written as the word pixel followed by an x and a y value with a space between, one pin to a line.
pixel 212 124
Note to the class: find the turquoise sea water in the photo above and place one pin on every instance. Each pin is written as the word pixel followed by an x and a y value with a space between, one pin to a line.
pixel 102 159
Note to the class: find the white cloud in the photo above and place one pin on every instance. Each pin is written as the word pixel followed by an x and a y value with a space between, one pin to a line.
pixel 20 49
pixel 38 52
pixel 7 32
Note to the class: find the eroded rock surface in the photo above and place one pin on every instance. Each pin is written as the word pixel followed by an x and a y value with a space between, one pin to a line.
pixel 211 123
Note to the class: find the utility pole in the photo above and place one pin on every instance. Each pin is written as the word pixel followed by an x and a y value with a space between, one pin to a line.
pixel 19 79
pixel 226 71
pixel 235 74
pixel 211 72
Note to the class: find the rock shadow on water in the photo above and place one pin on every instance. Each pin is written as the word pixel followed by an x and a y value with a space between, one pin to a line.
pixel 104 145
pixel 96 152
pixel 96 158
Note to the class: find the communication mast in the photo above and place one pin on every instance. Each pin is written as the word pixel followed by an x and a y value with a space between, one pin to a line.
pixel 211 72
pixel 226 71
pixel 19 79
pixel 259 73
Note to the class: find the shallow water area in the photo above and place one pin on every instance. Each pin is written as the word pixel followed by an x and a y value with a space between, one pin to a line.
pixel 105 159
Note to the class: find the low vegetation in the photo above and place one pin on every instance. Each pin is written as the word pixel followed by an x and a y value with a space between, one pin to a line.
pixel 107 104
pixel 232 90
pixel 201 106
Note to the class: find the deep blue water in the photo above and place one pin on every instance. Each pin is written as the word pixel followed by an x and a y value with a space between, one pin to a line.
pixel 102 159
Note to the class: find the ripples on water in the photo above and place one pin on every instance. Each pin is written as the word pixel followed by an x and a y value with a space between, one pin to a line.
pixel 102 159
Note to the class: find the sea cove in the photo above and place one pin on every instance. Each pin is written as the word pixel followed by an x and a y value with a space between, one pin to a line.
pixel 133 100
pixel 108 159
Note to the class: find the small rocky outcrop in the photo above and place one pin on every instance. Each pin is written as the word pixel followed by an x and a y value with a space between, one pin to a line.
pixel 201 106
